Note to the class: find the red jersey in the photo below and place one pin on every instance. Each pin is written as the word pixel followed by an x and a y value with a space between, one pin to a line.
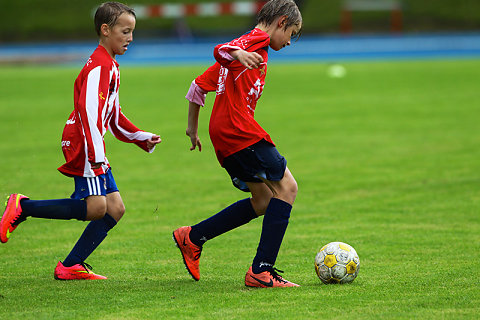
pixel 232 124
pixel 96 109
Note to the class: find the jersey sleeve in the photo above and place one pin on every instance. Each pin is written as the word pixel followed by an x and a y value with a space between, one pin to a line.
pixel 204 83
pixel 209 79
pixel 250 42
pixel 124 130
pixel 90 107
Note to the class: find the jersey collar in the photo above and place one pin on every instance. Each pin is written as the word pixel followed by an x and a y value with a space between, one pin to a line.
pixel 101 49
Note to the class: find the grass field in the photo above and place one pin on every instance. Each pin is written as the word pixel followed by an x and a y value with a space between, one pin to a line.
pixel 387 160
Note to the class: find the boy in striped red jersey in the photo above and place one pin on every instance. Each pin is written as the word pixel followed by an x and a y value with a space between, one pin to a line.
pixel 96 109
pixel 242 146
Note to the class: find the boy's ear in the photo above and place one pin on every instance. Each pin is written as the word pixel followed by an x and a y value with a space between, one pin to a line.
pixel 282 21
pixel 104 30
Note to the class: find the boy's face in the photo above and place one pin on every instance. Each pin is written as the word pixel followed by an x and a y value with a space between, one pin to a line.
pixel 120 35
pixel 280 36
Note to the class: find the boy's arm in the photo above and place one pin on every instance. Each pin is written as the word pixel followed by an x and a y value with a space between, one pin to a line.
pixel 206 82
pixel 192 127
pixel 196 98
pixel 250 60
pixel 243 49
pixel 226 55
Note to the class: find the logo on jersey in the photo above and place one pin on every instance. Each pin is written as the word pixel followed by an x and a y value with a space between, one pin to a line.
pixel 222 77
pixel 253 95
pixel 262 70
pixel 101 96
pixel 242 43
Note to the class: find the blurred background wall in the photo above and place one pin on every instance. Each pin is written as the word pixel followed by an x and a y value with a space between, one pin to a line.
pixel 59 20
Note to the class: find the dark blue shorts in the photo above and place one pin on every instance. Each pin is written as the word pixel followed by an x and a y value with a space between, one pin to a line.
pixel 259 160
pixel 96 186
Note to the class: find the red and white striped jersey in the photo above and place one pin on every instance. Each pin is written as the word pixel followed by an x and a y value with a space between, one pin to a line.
pixel 96 109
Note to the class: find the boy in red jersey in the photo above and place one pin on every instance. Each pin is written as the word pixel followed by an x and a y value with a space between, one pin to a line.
pixel 242 147
pixel 96 109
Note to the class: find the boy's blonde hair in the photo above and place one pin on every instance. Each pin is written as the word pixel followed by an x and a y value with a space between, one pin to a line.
pixel 109 12
pixel 277 8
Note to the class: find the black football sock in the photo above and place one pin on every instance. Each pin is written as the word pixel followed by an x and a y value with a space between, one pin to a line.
pixel 93 235
pixel 234 216
pixel 275 224
pixel 63 209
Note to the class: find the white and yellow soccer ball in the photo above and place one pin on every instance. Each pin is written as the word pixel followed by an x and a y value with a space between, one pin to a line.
pixel 337 262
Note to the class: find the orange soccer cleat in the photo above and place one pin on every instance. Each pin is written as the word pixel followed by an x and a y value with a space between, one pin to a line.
pixel 12 216
pixel 190 252
pixel 76 272
pixel 267 279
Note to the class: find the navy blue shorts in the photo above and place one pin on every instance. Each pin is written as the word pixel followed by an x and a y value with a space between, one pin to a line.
pixel 95 186
pixel 259 160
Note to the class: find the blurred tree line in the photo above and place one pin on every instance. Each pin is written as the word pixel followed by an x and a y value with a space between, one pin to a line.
pixel 33 20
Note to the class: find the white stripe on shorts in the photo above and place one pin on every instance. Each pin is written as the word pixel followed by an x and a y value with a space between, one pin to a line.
pixel 94 186
pixel 89 186
pixel 99 191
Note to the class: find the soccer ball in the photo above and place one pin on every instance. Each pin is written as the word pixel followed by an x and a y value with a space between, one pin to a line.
pixel 337 262
pixel 336 71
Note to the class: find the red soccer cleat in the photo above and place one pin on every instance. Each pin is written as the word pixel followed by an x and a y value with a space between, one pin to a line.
pixel 267 279
pixel 76 272
pixel 12 216
pixel 190 252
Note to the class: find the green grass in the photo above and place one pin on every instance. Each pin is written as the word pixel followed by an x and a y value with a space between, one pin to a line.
pixel 387 160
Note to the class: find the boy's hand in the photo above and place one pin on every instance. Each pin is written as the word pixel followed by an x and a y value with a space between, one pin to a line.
pixel 194 139
pixel 154 140
pixel 251 60
pixel 96 165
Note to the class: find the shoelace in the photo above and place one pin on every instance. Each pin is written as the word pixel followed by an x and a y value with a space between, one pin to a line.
pixel 86 266
pixel 18 220
pixel 276 276
pixel 197 253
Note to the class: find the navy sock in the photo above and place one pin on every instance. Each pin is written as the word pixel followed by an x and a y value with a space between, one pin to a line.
pixel 93 235
pixel 236 215
pixel 275 224
pixel 64 209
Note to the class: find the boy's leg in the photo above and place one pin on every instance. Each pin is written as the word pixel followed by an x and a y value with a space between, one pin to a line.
pixel 274 225
pixel 233 216
pixel 243 167
pixel 275 222
pixel 96 231
pixel 61 209
pixel 19 207
pixel 191 239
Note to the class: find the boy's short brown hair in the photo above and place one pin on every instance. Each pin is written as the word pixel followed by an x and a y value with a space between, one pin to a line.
pixel 109 12
pixel 277 8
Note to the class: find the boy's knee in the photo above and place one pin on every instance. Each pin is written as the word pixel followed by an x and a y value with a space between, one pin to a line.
pixel 117 211
pixel 288 191
pixel 260 204
pixel 96 207
pixel 96 212
pixel 292 191
pixel 294 188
